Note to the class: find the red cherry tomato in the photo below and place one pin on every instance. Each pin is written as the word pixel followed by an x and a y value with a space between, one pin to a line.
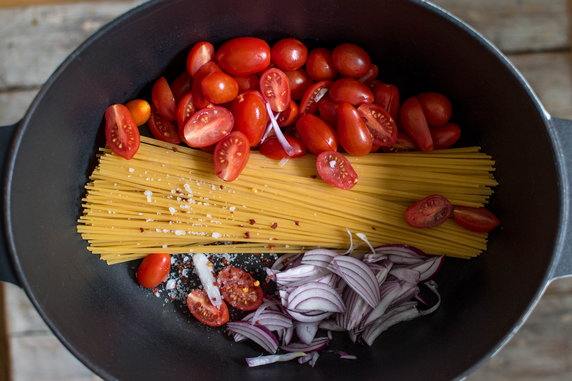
pixel 275 89
pixel 121 132
pixel 370 76
pixel 153 270
pixel 185 109
pixel 436 107
pixel 403 144
pixel 250 116
pixel 387 96
pixel 243 56
pixel 162 128
pixel 208 126
pixel 478 220
pixel 239 288
pixel 316 134
pixel 320 66
pixel 200 54
pixel 353 134
pixel 335 169
pixel 288 116
pixel 219 87
pixel 445 136
pixel 431 211
pixel 247 82
pixel 272 148
pixel 350 90
pixel 327 110
pixel 380 124
pixel 203 310
pixel 181 86
pixel 199 98
pixel 299 82
pixel 163 99
pixel 309 103
pixel 412 120
pixel 289 54
pixel 351 60
pixel 231 155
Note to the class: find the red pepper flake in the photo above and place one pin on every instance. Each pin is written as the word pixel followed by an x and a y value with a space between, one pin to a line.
pixel 175 149
pixel 187 265
pixel 246 234
pixel 314 176
pixel 213 274
pixel 264 260
pixel 225 262
pixel 272 247
pixel 373 228
pixel 184 279
pixel 215 283
pixel 171 298
pixel 257 254
pixel 297 223
pixel 179 268
pixel 274 225
pixel 252 221
pixel 141 230
pixel 221 186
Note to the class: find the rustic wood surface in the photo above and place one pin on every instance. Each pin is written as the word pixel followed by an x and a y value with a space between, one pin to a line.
pixel 535 34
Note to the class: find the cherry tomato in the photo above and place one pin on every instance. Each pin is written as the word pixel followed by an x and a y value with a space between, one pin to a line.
pixel 478 220
pixel 299 82
pixel 289 54
pixel 327 109
pixel 431 211
pixel 239 288
pixel 199 98
pixel 275 89
pixel 243 56
pixel 351 60
pixel 320 66
pixel 207 126
pixel 140 110
pixel 387 96
pixel 353 133
pixel 350 90
pixel 250 116
pixel 412 119
pixel 445 136
pixel 288 116
pixel 436 107
pixel 370 76
pixel 316 134
pixel 380 124
pixel 203 310
pixel 309 103
pixel 200 54
pixel 335 169
pixel 153 270
pixel 163 99
pixel 181 86
pixel 121 132
pixel 163 129
pixel 185 109
pixel 403 144
pixel 231 155
pixel 219 87
pixel 272 148
pixel 247 82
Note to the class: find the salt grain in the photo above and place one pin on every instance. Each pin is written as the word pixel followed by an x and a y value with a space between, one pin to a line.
pixel 148 194
pixel 172 210
pixel 216 235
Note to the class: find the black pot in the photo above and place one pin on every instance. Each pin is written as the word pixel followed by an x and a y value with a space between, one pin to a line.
pixel 124 333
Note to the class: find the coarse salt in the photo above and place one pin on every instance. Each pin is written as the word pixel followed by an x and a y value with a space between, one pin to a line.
pixel 131 170
pixel 180 232
pixel 148 194
pixel 216 235
pixel 172 210
pixel 232 208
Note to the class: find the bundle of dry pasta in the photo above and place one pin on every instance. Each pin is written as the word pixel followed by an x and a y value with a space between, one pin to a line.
pixel 167 199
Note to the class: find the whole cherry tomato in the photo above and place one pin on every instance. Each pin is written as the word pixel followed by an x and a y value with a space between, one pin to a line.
pixel 353 133
pixel 275 89
pixel 247 82
pixel 163 99
pixel 200 54
pixel 316 134
pixel 412 120
pixel 431 211
pixel 231 155
pixel 219 87
pixel 351 60
pixel 320 66
pixel 445 136
pixel 299 82
pixel 289 54
pixel 350 90
pixel 121 132
pixel 199 99
pixel 272 148
pixel 436 107
pixel 153 270
pixel 250 116
pixel 243 56
pixel 335 169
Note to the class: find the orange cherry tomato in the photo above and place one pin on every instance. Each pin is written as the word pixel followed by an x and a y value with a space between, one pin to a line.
pixel 353 134
pixel 153 270
pixel 121 132
pixel 140 110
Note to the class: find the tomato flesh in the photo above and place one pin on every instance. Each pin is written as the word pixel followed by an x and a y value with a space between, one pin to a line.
pixel 153 270
pixel 275 89
pixel 239 289
pixel 121 132
pixel 250 116
pixel 309 103
pixel 207 126
pixel 272 148
pixel 288 116
pixel 243 56
pixel 316 134
pixel 231 155
pixel 185 109
pixel 429 212
pixel 353 134
pixel 478 220
pixel 163 129
pixel 203 310
pixel 335 169
pixel 380 124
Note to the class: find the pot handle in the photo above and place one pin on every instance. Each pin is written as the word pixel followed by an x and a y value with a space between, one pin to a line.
pixel 7 270
pixel 562 137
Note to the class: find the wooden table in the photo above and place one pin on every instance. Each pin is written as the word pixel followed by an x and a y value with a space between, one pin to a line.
pixel 534 33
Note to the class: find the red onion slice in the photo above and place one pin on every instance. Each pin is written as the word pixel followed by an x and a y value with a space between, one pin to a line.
pixel 330 326
pixel 358 276
pixel 299 275
pixel 256 333
pixel 397 315
pixel 270 359
pixel 281 138
pixel 428 268
pixel 406 274
pixel 306 331
pixel 390 292
pixel 432 285
pixel 315 296
pixel 309 317
pixel 356 310
pixel 207 278
pixel 310 358
pixel 319 257
pixel 284 260
pixel 402 254
pixel 317 344
pixel 272 320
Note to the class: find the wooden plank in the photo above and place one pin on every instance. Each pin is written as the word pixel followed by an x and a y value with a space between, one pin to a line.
pixel 26 3
pixel 5 363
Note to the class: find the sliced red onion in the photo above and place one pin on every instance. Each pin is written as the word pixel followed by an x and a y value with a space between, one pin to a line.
pixel 390 292
pixel 363 237
pixel 331 280
pixel 317 344
pixel 310 358
pixel 272 320
pixel 432 285
pixel 310 316
pixel 358 276
pixel 306 331
pixel 207 278
pixel 299 275
pixel 259 334
pixel 284 260
pixel 428 268
pixel 406 274
pixel 319 257
pixel 288 335
pixel 270 359
pixel 315 296
pixel 356 310
pixel 281 138
pixel 331 326
pixel 402 254
pixel 397 315
pixel 383 270
pixel 345 355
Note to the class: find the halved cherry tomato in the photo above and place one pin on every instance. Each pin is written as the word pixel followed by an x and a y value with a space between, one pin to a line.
pixel 316 134
pixel 185 109
pixel 163 99
pixel 250 116
pixel 353 133
pixel 309 103
pixel 200 54
pixel 140 110
pixel 436 107
pixel 351 60
pixel 445 136
pixel 121 132
pixel 380 124
pixel 299 82
pixel 370 76
pixel 320 66
pixel 231 155
pixel 431 211
pixel 350 90
pixel 219 87
pixel 275 89
pixel 153 270
pixel 163 129
pixel 327 110
pixel 199 98
pixel 387 96
pixel 479 220
pixel 203 310
pixel 272 148
pixel 288 116
pixel 239 288
pixel 243 56
pixel 247 82
pixel 181 86
pixel 289 54
pixel 403 144
pixel 412 119
pixel 335 169
pixel 208 126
